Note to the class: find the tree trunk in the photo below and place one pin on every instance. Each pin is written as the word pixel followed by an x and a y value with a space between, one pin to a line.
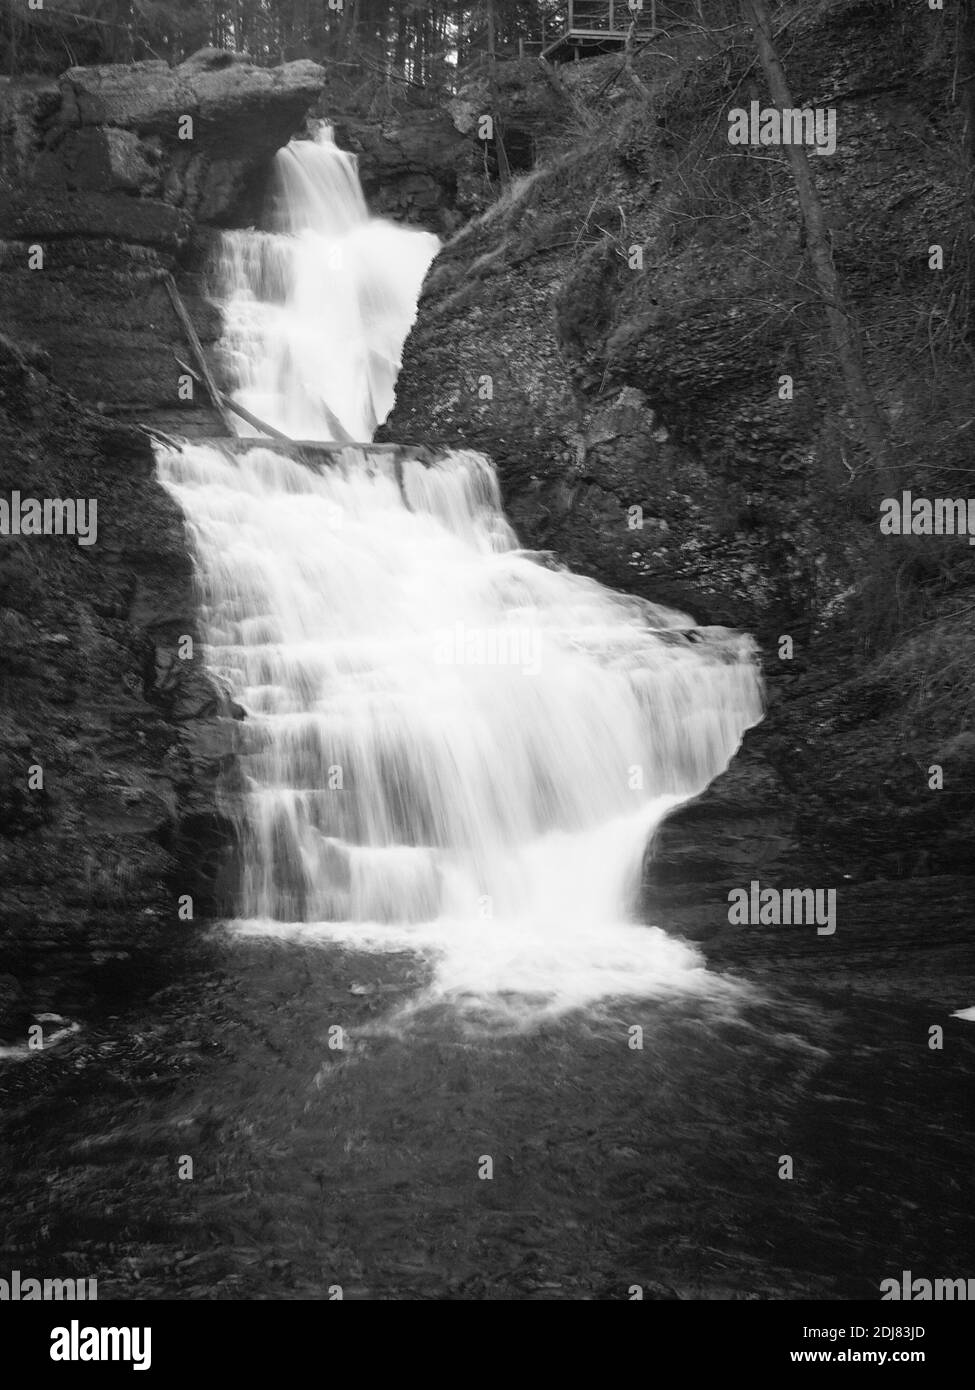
pixel 966 82
pixel 845 333
pixel 347 26
pixel 461 16
pixel 400 50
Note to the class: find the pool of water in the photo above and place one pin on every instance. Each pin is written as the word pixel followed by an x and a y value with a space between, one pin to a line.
pixel 315 1166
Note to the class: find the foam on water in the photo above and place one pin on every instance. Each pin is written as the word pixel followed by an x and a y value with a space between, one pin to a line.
pixel 450 745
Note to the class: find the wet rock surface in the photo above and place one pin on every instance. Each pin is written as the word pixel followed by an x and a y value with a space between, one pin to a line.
pixel 854 777
pixel 411 166
pixel 615 341
pixel 617 331
pixel 109 809
pixel 100 202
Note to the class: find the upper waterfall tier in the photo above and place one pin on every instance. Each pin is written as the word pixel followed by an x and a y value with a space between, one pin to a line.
pixel 317 308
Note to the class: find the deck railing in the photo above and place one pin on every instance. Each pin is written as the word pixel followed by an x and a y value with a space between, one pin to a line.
pixel 605 16
pixel 592 20
pixel 594 24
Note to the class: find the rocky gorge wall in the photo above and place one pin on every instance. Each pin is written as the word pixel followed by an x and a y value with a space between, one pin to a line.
pixel 615 332
pixel 112 736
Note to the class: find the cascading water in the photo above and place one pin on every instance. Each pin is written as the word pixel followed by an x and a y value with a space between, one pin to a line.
pixel 316 310
pixel 451 746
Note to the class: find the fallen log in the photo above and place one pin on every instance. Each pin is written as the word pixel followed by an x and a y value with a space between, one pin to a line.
pixel 170 440
pixel 192 337
pixel 342 435
pixel 230 404
pixel 221 401
pixel 240 444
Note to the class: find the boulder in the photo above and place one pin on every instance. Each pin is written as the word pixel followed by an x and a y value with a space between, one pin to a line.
pixel 102 160
pixel 200 134
pixel 409 171
pixel 742 827
pixel 240 102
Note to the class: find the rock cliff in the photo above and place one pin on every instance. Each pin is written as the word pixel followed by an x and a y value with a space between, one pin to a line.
pixel 198 136
pixel 112 737
pixel 633 332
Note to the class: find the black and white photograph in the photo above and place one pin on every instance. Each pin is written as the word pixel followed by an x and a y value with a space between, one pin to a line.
pixel 487 668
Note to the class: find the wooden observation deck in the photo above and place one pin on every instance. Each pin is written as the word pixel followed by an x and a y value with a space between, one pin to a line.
pixel 592 27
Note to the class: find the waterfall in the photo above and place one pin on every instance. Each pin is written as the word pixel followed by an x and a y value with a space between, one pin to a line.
pixel 452 745
pixel 317 309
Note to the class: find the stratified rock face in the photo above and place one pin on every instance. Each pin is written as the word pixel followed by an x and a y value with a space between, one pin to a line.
pixel 412 170
pixel 196 136
pixel 40 216
pixel 95 173
pixel 742 827
pixel 112 736
pixel 633 333
pixel 437 165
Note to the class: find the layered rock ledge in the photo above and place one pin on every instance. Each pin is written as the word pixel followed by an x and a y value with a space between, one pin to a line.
pixel 101 199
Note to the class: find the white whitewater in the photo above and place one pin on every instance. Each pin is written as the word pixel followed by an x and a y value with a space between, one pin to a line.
pixel 317 309
pixel 451 746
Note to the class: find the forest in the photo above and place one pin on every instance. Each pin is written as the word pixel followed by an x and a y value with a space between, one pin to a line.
pixel 421 40
pixel 424 42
